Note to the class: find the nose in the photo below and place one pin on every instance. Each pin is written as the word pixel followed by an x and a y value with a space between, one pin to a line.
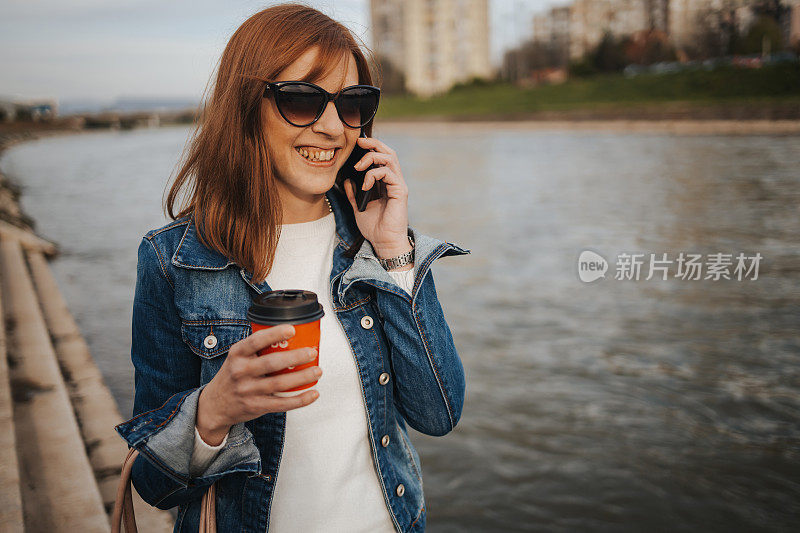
pixel 329 123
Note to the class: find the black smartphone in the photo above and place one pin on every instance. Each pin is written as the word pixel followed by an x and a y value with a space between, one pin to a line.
pixel 348 171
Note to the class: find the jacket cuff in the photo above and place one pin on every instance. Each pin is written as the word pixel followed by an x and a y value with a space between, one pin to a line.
pixel 366 267
pixel 203 453
pixel 167 435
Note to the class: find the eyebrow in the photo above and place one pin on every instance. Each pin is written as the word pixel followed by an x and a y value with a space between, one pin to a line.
pixel 308 79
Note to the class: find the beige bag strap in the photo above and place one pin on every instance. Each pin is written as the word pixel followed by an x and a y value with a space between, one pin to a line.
pixel 208 511
pixel 123 506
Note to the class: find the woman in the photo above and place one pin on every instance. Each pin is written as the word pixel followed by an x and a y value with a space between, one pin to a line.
pixel 262 209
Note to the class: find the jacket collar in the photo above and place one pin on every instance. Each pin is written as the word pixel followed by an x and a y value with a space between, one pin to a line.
pixel 192 254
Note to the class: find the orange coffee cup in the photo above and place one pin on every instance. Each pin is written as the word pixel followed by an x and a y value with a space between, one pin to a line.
pixel 291 306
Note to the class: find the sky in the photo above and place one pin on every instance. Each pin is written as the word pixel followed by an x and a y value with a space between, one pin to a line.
pixel 107 49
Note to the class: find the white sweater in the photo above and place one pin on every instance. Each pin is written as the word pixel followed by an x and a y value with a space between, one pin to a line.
pixel 327 480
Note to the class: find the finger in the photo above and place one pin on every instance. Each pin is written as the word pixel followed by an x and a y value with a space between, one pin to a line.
pixel 287 403
pixel 372 176
pixel 272 362
pixel 283 382
pixel 259 340
pixel 375 143
pixel 395 186
pixel 375 158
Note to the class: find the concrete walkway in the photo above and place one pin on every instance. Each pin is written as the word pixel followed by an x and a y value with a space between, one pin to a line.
pixel 60 458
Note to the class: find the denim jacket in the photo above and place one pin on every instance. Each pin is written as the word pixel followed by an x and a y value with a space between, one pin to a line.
pixel 186 292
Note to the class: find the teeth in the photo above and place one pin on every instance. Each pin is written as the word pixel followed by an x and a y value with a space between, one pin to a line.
pixel 319 155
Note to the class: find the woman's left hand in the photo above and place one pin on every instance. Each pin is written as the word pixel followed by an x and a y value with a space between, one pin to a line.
pixel 384 223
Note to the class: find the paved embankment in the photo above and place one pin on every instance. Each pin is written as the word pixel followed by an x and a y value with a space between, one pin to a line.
pixel 60 458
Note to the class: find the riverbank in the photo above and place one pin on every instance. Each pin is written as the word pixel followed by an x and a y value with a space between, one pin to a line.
pixel 669 127
pixel 11 134
pixel 60 458
pixel 769 93
pixel 745 110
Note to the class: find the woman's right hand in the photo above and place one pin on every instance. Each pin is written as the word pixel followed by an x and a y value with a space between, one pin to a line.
pixel 241 390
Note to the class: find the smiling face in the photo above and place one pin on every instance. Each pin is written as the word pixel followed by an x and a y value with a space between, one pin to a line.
pixel 302 182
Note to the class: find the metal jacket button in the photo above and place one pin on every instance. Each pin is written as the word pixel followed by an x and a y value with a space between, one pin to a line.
pixel 366 322
pixel 383 379
pixel 210 341
pixel 401 489
pixel 385 441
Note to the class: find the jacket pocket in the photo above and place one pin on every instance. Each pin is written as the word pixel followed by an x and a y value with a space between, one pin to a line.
pixel 210 338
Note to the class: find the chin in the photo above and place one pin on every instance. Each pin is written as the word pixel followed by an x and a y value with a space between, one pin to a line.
pixel 319 186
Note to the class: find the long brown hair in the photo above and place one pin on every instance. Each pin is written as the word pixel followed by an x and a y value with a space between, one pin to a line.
pixel 226 181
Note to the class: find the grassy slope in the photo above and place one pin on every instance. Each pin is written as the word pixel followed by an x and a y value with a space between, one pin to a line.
pixel 775 84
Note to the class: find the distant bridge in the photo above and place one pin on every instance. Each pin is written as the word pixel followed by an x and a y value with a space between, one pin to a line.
pixel 41 109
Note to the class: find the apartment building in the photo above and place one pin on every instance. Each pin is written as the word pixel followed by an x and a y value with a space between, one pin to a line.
pixel 684 18
pixel 791 26
pixel 591 19
pixel 578 27
pixel 435 43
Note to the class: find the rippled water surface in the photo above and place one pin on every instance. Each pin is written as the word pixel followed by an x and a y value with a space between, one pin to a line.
pixel 617 405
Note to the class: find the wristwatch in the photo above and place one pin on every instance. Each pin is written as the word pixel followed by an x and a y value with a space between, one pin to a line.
pixel 400 260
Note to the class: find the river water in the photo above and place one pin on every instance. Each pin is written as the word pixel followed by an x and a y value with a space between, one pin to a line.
pixel 613 405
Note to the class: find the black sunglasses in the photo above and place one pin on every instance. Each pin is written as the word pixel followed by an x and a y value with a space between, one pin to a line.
pixel 301 103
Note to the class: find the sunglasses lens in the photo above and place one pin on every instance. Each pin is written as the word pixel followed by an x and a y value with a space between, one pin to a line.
pixel 300 103
pixel 357 106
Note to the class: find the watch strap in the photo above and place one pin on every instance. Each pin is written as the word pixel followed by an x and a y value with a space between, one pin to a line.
pixel 400 260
